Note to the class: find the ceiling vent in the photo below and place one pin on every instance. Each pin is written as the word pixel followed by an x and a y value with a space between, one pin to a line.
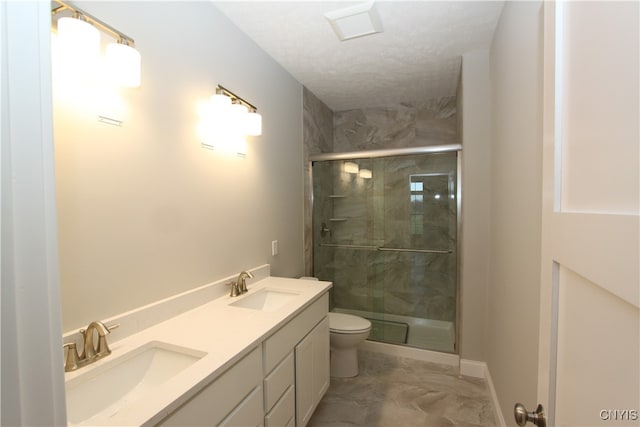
pixel 355 21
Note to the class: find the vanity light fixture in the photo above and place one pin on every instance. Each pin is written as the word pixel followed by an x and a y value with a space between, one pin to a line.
pixel 225 121
pixel 80 32
pixel 245 114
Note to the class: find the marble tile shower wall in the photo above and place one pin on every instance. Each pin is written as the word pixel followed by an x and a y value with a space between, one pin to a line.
pixel 404 125
pixel 317 132
pixel 410 284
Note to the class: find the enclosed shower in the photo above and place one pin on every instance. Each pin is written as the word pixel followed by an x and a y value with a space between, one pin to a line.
pixel 385 232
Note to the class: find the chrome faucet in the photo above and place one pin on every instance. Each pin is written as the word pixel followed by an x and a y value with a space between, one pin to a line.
pixel 90 353
pixel 242 281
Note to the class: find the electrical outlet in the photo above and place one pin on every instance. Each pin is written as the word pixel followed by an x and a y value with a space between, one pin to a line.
pixel 274 248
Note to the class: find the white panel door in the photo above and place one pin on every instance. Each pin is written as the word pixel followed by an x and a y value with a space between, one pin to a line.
pixel 589 359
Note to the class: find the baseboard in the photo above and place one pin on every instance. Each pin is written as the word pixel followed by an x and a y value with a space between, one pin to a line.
pixel 494 398
pixel 472 368
pixel 411 353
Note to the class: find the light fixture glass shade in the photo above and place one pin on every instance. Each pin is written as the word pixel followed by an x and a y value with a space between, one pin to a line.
pixel 238 118
pixel 351 167
pixel 225 121
pixel 253 126
pixel 123 64
pixel 238 110
pixel 80 33
pixel 365 173
pixel 80 46
pixel 220 103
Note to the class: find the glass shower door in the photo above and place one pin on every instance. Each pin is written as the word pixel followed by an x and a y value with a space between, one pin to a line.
pixel 385 233
pixel 344 243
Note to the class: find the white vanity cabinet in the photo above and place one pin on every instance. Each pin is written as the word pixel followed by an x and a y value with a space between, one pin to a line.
pixel 233 399
pixel 296 360
pixel 278 384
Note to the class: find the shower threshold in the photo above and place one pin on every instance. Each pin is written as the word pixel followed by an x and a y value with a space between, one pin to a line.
pixel 436 335
pixel 388 331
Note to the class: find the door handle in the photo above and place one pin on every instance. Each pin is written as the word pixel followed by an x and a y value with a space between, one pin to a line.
pixel 522 416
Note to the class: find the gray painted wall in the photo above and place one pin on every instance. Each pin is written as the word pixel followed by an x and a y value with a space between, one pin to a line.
pixel 476 169
pixel 144 211
pixel 317 138
pixel 516 197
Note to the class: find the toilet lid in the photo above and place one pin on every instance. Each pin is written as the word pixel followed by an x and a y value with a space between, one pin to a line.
pixel 341 322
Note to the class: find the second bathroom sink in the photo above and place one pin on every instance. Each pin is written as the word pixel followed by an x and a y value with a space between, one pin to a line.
pixel 265 300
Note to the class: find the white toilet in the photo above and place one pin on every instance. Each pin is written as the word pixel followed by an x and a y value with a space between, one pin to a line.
pixel 346 332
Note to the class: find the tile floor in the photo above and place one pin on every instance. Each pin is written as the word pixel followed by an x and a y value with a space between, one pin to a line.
pixel 399 392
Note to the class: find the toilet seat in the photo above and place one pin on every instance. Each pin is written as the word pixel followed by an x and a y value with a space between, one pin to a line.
pixel 341 323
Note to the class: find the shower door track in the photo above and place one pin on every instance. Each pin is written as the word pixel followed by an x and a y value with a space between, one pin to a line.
pixel 382 248
pixel 371 154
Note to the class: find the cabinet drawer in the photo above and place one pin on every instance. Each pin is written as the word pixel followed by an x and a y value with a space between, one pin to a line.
pixel 278 381
pixel 218 399
pixel 278 345
pixel 283 413
pixel 249 413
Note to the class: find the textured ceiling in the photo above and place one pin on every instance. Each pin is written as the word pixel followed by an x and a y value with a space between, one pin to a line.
pixel 417 56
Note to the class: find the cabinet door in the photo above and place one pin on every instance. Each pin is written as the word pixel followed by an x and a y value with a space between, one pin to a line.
pixel 312 371
pixel 321 360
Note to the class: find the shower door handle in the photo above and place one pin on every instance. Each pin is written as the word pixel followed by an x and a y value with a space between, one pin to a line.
pixel 522 416
pixel 324 229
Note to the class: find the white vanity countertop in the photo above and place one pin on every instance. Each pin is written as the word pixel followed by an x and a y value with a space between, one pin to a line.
pixel 224 332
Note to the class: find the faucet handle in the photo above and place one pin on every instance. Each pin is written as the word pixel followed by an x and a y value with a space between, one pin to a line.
pixel 72 359
pixel 113 326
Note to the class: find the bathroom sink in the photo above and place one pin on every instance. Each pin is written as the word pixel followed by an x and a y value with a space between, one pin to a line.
pixel 265 300
pixel 93 397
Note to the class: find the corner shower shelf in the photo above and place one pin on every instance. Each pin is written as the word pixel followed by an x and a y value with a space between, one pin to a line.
pixel 336 196
pixel 338 219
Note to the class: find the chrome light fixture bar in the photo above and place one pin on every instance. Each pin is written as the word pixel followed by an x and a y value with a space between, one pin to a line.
pixel 81 14
pixel 235 99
